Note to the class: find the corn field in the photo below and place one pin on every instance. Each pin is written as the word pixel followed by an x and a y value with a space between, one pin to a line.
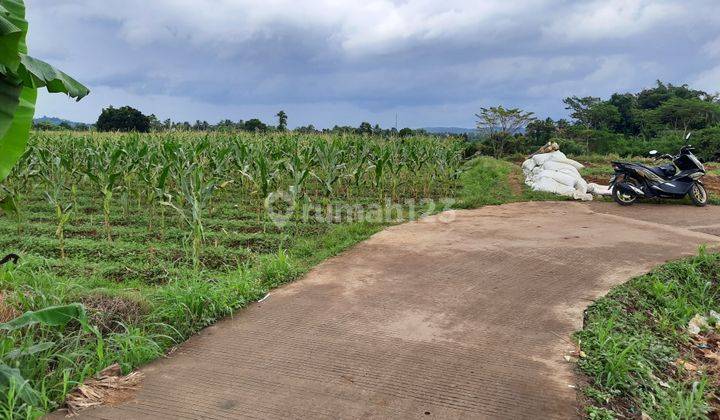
pixel 189 182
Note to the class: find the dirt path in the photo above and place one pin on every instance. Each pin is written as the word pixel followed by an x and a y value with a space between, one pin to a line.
pixel 467 319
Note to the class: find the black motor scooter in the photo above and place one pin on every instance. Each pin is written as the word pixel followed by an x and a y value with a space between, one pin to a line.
pixel 677 179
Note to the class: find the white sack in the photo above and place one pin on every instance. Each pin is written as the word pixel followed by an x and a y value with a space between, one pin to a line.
pixel 528 165
pixel 581 186
pixel 561 167
pixel 599 189
pixel 562 178
pixel 552 186
pixel 575 164
pixel 555 173
pixel 541 158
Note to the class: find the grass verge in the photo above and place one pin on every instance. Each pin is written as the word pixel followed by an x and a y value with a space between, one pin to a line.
pixel 490 181
pixel 637 354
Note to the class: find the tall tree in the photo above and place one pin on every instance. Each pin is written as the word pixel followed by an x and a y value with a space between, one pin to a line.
pixel 688 114
pixel 124 119
pixel 282 120
pixel 602 116
pixel 580 108
pixel 365 128
pixel 502 124
pixel 540 132
pixel 254 125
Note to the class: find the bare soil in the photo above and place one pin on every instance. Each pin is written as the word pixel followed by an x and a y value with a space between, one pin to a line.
pixel 465 319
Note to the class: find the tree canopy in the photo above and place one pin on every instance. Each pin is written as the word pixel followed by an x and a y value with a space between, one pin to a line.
pixel 124 119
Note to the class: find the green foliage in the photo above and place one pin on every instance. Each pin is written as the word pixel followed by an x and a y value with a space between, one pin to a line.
pixel 632 124
pixel 255 125
pixel 20 77
pixel 580 108
pixel 406 132
pixel 632 337
pixel 488 181
pixel 502 124
pixel 54 316
pixel 14 388
pixel 688 114
pixel 282 121
pixel 148 290
pixel 124 119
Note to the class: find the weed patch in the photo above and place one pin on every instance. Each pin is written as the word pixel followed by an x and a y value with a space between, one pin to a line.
pixel 637 352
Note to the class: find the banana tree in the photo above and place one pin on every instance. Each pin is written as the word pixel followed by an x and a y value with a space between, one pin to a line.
pixel 20 77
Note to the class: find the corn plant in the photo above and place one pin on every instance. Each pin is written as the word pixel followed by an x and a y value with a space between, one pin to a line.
pixel 56 174
pixel 263 170
pixel 331 165
pixel 298 166
pixel 195 192
pixel 104 168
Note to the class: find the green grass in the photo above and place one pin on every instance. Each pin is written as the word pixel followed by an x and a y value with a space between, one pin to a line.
pixel 141 289
pixel 489 181
pixel 633 336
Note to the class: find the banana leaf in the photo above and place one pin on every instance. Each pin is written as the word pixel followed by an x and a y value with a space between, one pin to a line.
pixel 20 77
pixel 11 377
pixel 54 316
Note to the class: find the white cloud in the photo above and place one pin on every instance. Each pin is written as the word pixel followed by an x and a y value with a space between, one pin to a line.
pixel 610 19
pixel 712 48
pixel 356 26
pixel 336 61
pixel 708 80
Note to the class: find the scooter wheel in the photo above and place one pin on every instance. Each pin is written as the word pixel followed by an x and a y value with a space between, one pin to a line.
pixel 622 198
pixel 698 195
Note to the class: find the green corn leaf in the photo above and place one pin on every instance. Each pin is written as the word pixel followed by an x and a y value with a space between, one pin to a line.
pixel 37 73
pixel 11 377
pixel 54 316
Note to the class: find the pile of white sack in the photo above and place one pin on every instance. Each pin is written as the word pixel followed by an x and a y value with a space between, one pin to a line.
pixel 553 172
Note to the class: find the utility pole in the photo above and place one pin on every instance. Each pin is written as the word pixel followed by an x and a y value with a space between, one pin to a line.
pixel 396 120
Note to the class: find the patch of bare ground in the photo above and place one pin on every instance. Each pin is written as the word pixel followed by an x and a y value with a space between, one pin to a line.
pixel 712 183
pixel 515 182
pixel 111 313
pixel 7 312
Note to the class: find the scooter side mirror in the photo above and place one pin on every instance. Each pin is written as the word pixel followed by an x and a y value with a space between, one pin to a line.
pixel 653 152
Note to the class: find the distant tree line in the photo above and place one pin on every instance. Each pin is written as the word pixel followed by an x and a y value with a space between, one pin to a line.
pixel 627 124
pixel 127 119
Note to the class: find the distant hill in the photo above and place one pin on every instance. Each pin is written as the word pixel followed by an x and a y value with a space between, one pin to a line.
pixel 56 121
pixel 450 130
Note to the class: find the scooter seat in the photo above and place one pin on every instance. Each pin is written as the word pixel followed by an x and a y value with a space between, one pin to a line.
pixel 665 171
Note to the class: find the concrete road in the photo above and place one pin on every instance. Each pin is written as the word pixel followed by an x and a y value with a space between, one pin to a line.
pixel 468 318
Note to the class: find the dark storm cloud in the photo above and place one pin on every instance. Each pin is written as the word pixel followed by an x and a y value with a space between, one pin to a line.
pixel 329 62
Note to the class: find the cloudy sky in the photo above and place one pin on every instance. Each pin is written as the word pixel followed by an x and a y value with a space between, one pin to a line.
pixel 432 62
